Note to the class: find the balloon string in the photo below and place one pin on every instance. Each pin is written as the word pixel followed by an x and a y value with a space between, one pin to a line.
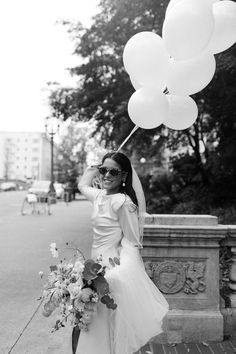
pixel 12 347
pixel 134 130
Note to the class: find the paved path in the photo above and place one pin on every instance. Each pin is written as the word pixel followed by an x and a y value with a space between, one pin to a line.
pixel 226 347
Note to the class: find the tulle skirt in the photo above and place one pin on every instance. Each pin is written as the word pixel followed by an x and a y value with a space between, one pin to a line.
pixel 139 314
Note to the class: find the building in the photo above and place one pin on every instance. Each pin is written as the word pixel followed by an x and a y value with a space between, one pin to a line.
pixel 24 156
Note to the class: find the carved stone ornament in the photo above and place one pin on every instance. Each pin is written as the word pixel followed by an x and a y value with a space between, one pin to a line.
pixel 169 277
pixel 195 273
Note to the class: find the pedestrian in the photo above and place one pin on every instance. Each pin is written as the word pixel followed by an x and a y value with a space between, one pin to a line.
pixel 117 220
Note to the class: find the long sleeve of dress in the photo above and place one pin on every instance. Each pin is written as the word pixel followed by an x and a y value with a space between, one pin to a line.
pixel 128 219
pixel 85 184
pixel 89 192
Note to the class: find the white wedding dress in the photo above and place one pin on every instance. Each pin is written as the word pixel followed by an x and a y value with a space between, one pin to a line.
pixel 140 305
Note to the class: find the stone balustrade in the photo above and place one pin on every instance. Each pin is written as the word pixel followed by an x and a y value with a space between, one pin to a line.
pixel 181 256
pixel 230 313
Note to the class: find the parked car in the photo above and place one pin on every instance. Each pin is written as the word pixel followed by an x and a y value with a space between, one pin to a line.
pixel 59 188
pixel 8 186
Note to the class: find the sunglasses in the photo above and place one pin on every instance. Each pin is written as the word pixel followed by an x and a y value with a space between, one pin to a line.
pixel 114 172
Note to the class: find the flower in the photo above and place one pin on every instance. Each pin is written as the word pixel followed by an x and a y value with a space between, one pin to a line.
pixel 83 327
pixel 54 250
pixel 86 318
pixel 78 267
pixel 91 269
pixel 79 305
pixel 74 290
pixel 90 306
pixel 99 259
pixel 86 294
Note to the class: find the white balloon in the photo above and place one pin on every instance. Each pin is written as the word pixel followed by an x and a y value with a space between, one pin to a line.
pixel 146 60
pixel 224 35
pixel 183 112
pixel 173 3
pixel 187 29
pixel 135 83
pixel 190 76
pixel 148 108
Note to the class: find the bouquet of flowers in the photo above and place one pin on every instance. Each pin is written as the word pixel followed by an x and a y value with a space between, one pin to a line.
pixel 76 288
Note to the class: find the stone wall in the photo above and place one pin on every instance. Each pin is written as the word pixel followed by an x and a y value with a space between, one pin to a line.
pixel 181 255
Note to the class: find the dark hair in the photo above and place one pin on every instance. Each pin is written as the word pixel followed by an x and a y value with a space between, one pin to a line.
pixel 125 165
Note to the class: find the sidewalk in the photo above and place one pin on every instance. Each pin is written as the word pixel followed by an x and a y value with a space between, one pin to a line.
pixel 225 347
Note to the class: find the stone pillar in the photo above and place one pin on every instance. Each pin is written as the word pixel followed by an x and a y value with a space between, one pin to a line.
pixel 230 314
pixel 181 255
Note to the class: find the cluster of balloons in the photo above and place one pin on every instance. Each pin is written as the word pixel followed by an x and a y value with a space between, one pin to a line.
pixel 166 70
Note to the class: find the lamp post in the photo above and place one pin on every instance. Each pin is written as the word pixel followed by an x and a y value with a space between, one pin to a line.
pixel 52 128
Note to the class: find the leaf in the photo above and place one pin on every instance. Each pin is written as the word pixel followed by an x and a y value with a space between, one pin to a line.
pixel 112 262
pixel 116 260
pixel 105 299
pixel 109 302
pixel 101 285
pixel 53 268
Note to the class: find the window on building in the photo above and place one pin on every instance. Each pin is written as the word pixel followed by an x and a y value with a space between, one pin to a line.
pixel 35 158
pixel 35 149
pixel 35 141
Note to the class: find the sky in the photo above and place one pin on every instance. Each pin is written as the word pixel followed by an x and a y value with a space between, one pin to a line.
pixel 34 50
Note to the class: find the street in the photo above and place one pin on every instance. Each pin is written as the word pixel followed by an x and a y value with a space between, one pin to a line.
pixel 24 252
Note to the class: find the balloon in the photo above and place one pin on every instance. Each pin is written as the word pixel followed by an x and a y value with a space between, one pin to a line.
pixel 224 35
pixel 135 83
pixel 182 112
pixel 146 60
pixel 173 3
pixel 148 107
pixel 190 76
pixel 187 29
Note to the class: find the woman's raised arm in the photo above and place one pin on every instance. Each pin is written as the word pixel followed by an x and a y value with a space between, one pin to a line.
pixel 85 183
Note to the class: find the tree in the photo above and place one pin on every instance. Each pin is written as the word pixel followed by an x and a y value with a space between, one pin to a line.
pixel 104 89
pixel 71 154
pixel 74 150
pixel 211 138
pixel 104 86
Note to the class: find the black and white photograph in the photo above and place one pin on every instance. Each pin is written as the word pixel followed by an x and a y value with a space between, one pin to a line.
pixel 118 177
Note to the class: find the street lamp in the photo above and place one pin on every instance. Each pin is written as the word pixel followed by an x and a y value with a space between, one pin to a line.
pixel 52 128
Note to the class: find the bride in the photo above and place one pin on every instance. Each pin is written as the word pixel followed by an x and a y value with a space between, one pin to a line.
pixel 117 220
